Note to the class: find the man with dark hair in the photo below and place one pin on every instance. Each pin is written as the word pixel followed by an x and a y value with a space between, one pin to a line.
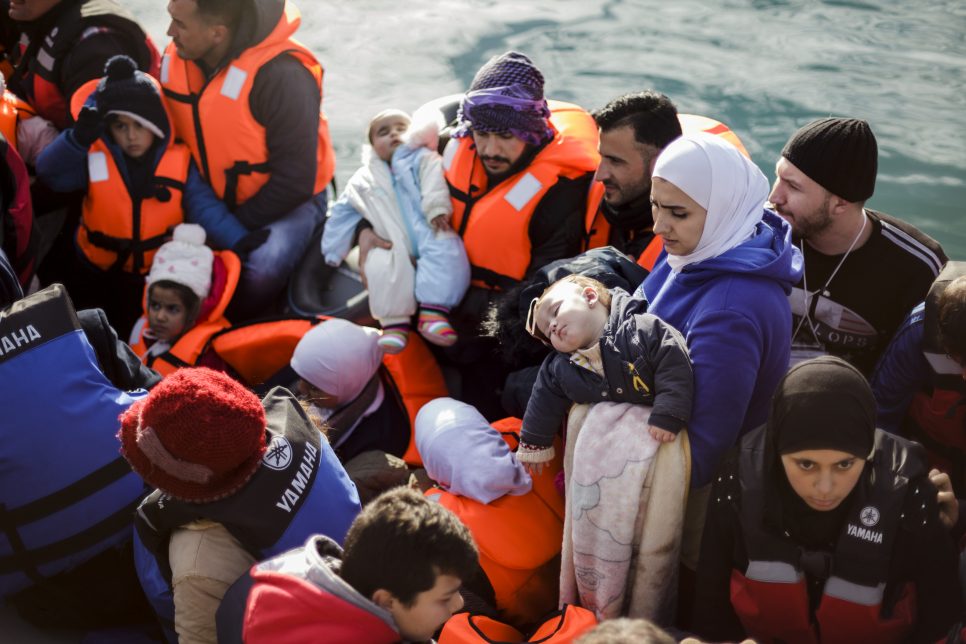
pixel 245 97
pixel 864 270
pixel 68 43
pixel 634 128
pixel 398 579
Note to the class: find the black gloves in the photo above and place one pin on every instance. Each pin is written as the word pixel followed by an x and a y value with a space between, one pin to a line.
pixel 88 127
pixel 250 242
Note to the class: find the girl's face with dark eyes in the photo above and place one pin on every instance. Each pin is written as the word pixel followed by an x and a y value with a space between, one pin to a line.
pixel 823 478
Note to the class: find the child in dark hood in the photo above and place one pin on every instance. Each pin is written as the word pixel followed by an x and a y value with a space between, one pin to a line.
pixel 822 524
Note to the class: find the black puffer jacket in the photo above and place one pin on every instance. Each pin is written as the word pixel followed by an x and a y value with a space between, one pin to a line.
pixel 645 362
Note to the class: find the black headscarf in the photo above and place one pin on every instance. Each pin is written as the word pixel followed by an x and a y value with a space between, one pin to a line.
pixel 823 403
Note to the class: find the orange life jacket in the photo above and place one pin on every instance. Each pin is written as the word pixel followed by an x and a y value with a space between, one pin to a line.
pixel 563 627
pixel 227 142
pixel 12 111
pixel 519 540
pixel 495 222
pixel 596 226
pixel 188 348
pixel 116 230
pixel 259 350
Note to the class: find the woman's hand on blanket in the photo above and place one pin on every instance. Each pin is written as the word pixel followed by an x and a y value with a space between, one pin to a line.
pixel 441 223
pixel 660 435
pixel 367 241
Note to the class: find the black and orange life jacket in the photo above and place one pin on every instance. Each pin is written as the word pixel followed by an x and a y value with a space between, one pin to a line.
pixel 213 115
pixel 495 222
pixel 562 627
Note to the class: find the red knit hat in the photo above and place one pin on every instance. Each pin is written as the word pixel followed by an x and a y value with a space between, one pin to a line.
pixel 198 436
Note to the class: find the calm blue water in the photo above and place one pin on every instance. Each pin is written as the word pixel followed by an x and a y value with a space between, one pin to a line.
pixel 763 67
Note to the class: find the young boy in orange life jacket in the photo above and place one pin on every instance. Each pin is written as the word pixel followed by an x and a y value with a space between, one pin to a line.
pixel 608 349
pixel 140 184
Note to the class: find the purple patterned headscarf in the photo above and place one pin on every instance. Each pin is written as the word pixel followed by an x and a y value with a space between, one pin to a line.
pixel 506 96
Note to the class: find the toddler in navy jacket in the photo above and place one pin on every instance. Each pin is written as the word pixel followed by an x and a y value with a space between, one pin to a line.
pixel 607 348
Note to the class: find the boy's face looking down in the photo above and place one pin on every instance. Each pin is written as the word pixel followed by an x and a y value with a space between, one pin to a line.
pixel 418 621
pixel 386 132
pixel 571 316
pixel 133 138
pixel 167 313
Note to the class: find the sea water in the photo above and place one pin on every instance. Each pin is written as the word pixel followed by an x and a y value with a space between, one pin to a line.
pixel 764 67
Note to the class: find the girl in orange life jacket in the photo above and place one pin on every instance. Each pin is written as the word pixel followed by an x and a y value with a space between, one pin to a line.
pixel 822 528
pixel 179 281
pixel 338 364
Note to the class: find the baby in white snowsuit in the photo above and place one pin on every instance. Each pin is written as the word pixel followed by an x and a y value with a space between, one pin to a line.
pixel 400 190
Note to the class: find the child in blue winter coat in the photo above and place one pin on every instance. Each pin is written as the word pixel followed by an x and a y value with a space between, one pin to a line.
pixel 140 184
pixel 401 192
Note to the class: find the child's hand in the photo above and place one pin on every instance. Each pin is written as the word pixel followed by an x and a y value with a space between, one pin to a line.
pixel 660 435
pixel 534 469
pixel 441 224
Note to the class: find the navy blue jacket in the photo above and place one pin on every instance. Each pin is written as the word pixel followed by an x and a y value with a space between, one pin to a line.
pixel 633 344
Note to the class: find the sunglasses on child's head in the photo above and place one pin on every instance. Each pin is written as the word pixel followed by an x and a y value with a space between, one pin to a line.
pixel 532 327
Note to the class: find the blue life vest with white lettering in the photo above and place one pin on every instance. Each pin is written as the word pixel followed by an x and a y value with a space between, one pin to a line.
pixel 770 596
pixel 66 494
pixel 300 489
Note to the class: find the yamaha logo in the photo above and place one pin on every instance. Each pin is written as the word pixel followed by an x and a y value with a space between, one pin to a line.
pixel 869 516
pixel 279 454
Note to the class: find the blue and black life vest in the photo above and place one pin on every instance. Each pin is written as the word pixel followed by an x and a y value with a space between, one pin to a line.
pixel 299 490
pixel 937 414
pixel 66 494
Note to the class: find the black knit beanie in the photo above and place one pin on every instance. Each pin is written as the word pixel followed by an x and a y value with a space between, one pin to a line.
pixel 128 91
pixel 839 154
pixel 823 403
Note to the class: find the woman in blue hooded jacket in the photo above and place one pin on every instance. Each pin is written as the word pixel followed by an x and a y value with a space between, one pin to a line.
pixel 723 282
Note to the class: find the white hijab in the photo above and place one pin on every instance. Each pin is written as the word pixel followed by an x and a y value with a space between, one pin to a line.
pixel 465 455
pixel 722 181
pixel 338 357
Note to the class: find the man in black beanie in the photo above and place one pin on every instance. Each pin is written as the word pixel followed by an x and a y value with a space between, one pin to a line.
pixel 864 270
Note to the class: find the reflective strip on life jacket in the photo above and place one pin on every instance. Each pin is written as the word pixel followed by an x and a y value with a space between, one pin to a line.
pixel 213 116
pixel 494 223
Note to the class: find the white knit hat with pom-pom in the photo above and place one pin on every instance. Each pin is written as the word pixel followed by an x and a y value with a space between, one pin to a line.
pixel 184 260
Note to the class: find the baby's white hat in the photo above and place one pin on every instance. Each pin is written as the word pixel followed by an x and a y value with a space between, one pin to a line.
pixel 184 260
